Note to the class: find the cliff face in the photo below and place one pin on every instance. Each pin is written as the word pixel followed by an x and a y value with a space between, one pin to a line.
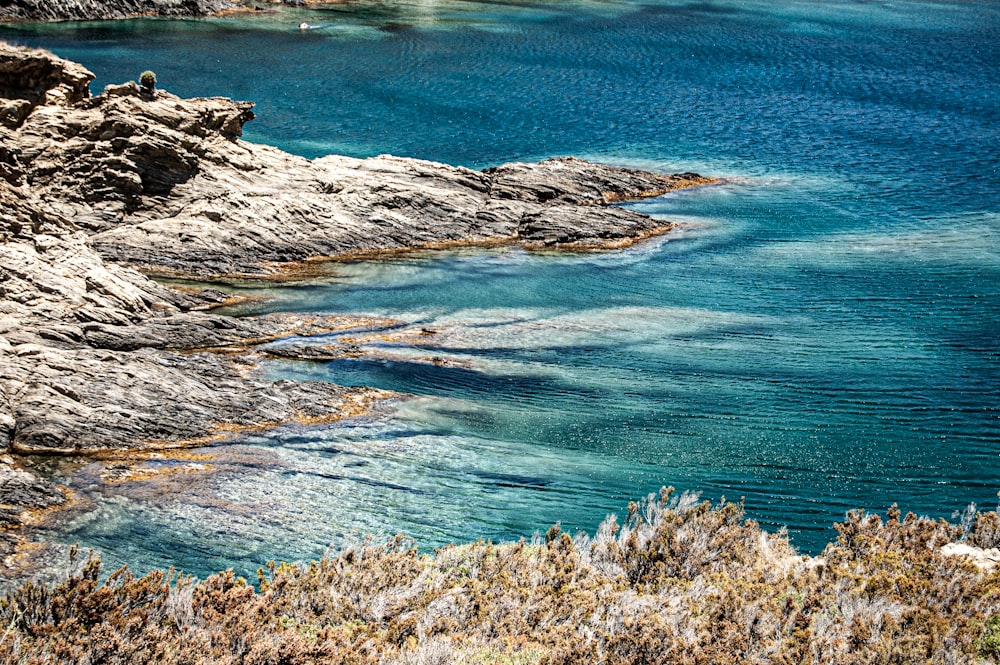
pixel 95 356
pixel 98 10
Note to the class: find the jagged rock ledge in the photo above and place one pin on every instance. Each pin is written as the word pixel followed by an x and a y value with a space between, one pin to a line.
pixel 165 185
pixel 99 192
pixel 102 10
pixel 19 11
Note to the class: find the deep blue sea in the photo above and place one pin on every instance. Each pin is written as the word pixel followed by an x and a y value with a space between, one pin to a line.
pixel 820 333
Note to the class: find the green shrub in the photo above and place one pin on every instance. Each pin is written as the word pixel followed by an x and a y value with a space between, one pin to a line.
pixel 989 644
pixel 147 80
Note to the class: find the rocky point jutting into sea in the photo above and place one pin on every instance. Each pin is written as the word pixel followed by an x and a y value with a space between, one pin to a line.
pixel 99 192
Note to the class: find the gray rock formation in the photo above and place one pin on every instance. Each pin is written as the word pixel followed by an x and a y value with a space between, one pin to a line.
pixel 98 192
pixel 164 184
pixel 99 10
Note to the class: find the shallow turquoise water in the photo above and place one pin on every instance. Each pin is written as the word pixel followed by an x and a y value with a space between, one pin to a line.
pixel 821 332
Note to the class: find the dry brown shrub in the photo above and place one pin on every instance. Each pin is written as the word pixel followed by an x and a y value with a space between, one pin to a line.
pixel 679 582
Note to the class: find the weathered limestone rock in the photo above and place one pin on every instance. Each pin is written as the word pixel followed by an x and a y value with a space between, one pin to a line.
pixel 103 10
pixel 66 383
pixel 21 493
pixel 985 559
pixel 78 400
pixel 99 10
pixel 36 77
pixel 165 184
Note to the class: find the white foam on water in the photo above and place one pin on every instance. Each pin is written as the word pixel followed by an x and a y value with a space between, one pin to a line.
pixel 971 240
pixel 519 329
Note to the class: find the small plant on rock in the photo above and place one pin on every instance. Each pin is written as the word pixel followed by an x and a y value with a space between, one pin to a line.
pixel 148 81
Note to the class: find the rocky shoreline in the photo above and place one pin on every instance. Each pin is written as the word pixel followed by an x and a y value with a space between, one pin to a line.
pixel 100 10
pixel 100 192
pixel 17 11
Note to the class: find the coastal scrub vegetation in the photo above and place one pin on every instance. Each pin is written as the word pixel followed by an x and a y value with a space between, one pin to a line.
pixel 678 581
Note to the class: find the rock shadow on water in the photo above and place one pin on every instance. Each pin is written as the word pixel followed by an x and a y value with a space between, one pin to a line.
pixel 447 380
pixel 512 480
pixel 379 484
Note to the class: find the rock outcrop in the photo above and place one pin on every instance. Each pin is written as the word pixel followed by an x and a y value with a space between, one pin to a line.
pixel 101 10
pixel 164 184
pixel 31 78
pixel 98 192
pixel 16 11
